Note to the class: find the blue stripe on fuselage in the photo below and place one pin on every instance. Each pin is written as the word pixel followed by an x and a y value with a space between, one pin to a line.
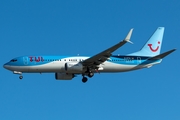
pixel 41 60
pixel 132 60
pixel 121 60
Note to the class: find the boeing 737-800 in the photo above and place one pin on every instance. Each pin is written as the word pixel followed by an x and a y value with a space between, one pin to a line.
pixel 67 67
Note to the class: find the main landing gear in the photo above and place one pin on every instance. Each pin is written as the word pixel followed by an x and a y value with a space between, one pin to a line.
pixel 85 79
pixel 90 74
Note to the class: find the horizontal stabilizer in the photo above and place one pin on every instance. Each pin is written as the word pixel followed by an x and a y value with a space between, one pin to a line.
pixel 162 55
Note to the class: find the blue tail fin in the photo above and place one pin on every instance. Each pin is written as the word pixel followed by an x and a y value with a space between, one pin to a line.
pixel 153 46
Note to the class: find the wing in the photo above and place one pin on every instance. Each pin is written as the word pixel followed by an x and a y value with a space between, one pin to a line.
pixel 97 59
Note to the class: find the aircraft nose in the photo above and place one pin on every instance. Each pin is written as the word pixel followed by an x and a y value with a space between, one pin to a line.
pixel 5 66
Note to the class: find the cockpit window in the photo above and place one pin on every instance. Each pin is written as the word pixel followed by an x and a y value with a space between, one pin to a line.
pixel 13 60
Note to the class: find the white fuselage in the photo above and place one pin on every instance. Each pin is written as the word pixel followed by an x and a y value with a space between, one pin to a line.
pixel 56 66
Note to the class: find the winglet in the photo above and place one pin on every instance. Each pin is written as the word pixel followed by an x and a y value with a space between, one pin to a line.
pixel 127 39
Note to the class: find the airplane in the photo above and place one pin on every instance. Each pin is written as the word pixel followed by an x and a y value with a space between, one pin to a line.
pixel 68 67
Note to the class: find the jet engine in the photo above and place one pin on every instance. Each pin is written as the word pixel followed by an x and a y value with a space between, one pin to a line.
pixel 73 67
pixel 63 76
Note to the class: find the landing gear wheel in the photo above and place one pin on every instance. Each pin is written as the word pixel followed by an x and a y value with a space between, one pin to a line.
pixel 20 77
pixel 90 74
pixel 84 79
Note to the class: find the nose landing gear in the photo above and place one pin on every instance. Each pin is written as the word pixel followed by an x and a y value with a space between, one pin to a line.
pixel 19 73
pixel 20 77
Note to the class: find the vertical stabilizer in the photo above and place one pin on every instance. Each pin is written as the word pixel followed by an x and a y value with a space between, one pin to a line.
pixel 153 45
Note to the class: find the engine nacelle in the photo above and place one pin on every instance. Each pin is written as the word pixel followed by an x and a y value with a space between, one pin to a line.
pixel 63 76
pixel 73 67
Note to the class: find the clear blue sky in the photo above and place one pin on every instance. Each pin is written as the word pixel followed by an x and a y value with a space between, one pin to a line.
pixel 71 27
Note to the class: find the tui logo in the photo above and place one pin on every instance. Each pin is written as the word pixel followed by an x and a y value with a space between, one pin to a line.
pixel 37 59
pixel 154 50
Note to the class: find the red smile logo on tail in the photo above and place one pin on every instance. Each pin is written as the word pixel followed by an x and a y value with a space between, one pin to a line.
pixel 153 50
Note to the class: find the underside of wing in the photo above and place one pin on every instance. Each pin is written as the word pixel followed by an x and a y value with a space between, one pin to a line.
pixel 98 59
